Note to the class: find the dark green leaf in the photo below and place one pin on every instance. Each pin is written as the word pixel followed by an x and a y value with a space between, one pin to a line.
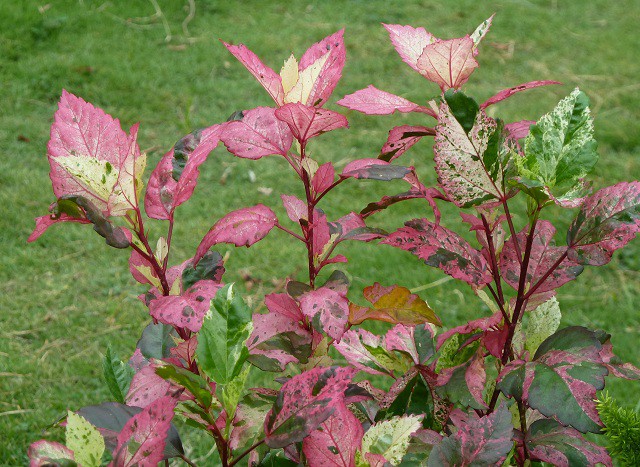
pixel 463 108
pixel 156 341
pixel 210 267
pixel 117 375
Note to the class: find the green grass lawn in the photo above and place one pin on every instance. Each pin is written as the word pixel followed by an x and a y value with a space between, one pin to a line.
pixel 64 298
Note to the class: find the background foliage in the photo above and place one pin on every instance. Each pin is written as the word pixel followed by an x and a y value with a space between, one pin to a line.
pixel 63 298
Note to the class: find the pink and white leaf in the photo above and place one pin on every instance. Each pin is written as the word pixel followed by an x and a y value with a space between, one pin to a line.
pixel 409 42
pixel 353 347
pixel 373 101
pixel 506 93
pixel 44 222
pixel 401 138
pixel 242 227
pixel 91 156
pixel 459 159
pixel 336 440
pixel 295 207
pixel 306 122
pixel 448 63
pixel 259 133
pixel 44 453
pixel 164 193
pixel 304 402
pixel 268 78
pixel 327 310
pixel 404 339
pixel 444 249
pixel 331 71
pixel 607 221
pixel 142 440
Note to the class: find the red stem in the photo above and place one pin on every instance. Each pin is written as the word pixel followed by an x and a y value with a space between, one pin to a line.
pixel 293 234
pixel 512 230
pixel 244 453
pixel 495 269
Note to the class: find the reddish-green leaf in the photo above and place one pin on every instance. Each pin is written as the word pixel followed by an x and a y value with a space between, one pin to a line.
pixel 306 122
pixel 48 453
pixel 401 138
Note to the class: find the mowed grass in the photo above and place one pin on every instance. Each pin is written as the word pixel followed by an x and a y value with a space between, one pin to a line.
pixel 64 298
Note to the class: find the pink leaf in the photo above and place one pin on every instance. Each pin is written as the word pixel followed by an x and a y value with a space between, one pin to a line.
pixel 461 169
pixel 172 183
pixel 323 178
pixel 448 63
pixel 444 249
pixel 331 71
pixel 607 221
pixel 336 441
pixel 409 42
pixel 401 138
pixel 306 122
pixel 141 441
pixel 506 93
pixel 243 227
pixel 464 383
pixel 374 169
pixel 304 402
pixel 373 101
pixel 186 310
pixel 544 254
pixel 146 387
pixel 90 156
pixel 44 453
pixel 327 309
pixel 519 130
pixel 321 232
pixel 44 222
pixel 259 133
pixel 268 78
pixel 352 227
pixel 295 207
pixel 142 270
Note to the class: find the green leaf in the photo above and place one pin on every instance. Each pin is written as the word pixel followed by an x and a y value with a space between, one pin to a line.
pixel 117 374
pixel 84 440
pixel 193 383
pixel 222 340
pixel 463 108
pixel 543 322
pixel 390 438
pixel 232 392
pixel 559 150
pixel 156 341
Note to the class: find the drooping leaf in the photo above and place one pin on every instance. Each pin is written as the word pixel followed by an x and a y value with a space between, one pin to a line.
pixel 221 347
pixel 258 134
pixel 84 440
pixel 559 150
pixel 327 310
pixel 480 441
pixel 442 248
pixel 279 337
pixel 543 322
pixel 506 93
pixel 111 417
pixel 373 101
pixel 93 158
pixel 401 138
pixel 544 254
pixel 409 42
pixel 607 221
pixel 335 441
pixel 374 169
pixel 448 63
pixel 306 122
pixel 117 375
pixel 390 438
pixel 467 162
pixel 46 453
pixel 142 440
pixel 562 379
pixel 175 177
pixel 549 441
pixel 242 227
pixel 304 402
pixel 44 222
pixel 365 351
pixel 464 384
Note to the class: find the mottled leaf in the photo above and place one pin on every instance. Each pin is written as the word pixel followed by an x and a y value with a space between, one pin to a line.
pixel 210 267
pixel 479 442
pixel 221 347
pixel 390 438
pixel 242 227
pixel 415 341
pixel 506 93
pixel 443 249
pixel 307 122
pixel 335 441
pixel 84 440
pixel 146 387
pixel 542 323
pixel 248 422
pixel 373 101
pixel 464 384
pixel 142 440
pixel 607 221
pixel 549 441
pixel 258 134
pixel 374 169
pixel 544 254
pixel 175 177
pixel 304 402
pixel 409 42
pixel 47 453
pixel 365 351
pixel 401 138
pixel 562 379
pixel 327 310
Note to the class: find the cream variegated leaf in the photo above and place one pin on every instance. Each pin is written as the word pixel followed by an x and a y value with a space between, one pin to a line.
pixel 390 438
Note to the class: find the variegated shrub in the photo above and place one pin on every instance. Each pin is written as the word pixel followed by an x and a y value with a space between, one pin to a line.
pixel 508 388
